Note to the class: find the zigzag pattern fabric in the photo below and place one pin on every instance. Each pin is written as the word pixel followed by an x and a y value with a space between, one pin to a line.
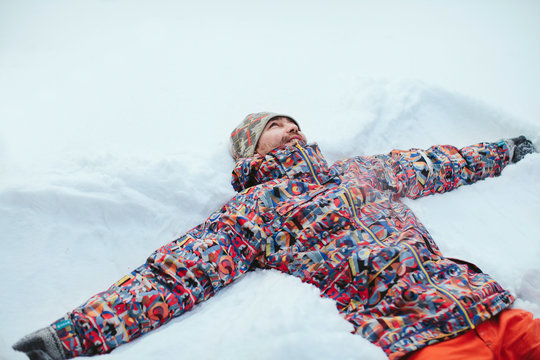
pixel 342 229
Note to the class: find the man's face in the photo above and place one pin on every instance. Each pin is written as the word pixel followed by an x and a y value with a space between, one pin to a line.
pixel 278 132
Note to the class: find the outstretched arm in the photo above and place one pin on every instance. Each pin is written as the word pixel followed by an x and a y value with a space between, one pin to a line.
pixel 442 168
pixel 174 278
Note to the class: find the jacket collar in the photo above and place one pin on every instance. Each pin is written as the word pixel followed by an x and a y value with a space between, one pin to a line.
pixel 302 162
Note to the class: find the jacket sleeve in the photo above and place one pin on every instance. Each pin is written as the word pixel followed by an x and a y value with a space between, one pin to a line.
pixel 416 173
pixel 174 278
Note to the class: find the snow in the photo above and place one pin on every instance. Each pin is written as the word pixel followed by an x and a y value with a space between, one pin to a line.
pixel 114 118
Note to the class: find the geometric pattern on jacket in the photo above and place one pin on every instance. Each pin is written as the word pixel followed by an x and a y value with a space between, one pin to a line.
pixel 342 229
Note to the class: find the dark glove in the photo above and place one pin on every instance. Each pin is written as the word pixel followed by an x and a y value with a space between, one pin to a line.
pixel 41 345
pixel 521 147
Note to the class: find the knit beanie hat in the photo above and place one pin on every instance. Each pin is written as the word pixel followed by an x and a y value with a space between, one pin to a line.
pixel 245 136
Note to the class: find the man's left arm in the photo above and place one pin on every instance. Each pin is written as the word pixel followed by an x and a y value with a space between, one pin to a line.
pixel 443 168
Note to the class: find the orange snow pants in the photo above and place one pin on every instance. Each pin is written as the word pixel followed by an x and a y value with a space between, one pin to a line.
pixel 511 335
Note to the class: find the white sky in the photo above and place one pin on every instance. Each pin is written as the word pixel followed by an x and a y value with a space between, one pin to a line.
pixel 155 77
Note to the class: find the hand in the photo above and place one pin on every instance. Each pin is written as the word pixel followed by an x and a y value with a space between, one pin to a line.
pixel 41 345
pixel 521 147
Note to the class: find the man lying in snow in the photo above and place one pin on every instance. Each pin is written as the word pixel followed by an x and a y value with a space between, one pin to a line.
pixel 341 228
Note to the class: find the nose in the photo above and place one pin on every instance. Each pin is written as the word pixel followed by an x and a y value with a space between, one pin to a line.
pixel 292 127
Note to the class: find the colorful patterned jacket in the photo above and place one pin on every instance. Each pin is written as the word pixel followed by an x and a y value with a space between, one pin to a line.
pixel 342 229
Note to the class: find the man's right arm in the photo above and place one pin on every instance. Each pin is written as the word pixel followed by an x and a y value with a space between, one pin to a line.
pixel 174 278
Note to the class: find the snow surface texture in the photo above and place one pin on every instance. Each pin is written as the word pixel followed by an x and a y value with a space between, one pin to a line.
pixel 83 226
pixel 114 123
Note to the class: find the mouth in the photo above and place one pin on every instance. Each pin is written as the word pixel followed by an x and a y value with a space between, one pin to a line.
pixel 295 137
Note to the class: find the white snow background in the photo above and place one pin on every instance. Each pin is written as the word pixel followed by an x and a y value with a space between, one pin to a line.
pixel 114 123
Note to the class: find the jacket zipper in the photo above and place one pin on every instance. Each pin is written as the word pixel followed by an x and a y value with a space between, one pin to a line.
pixel 447 293
pixel 416 258
pixel 310 165
pixel 349 199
